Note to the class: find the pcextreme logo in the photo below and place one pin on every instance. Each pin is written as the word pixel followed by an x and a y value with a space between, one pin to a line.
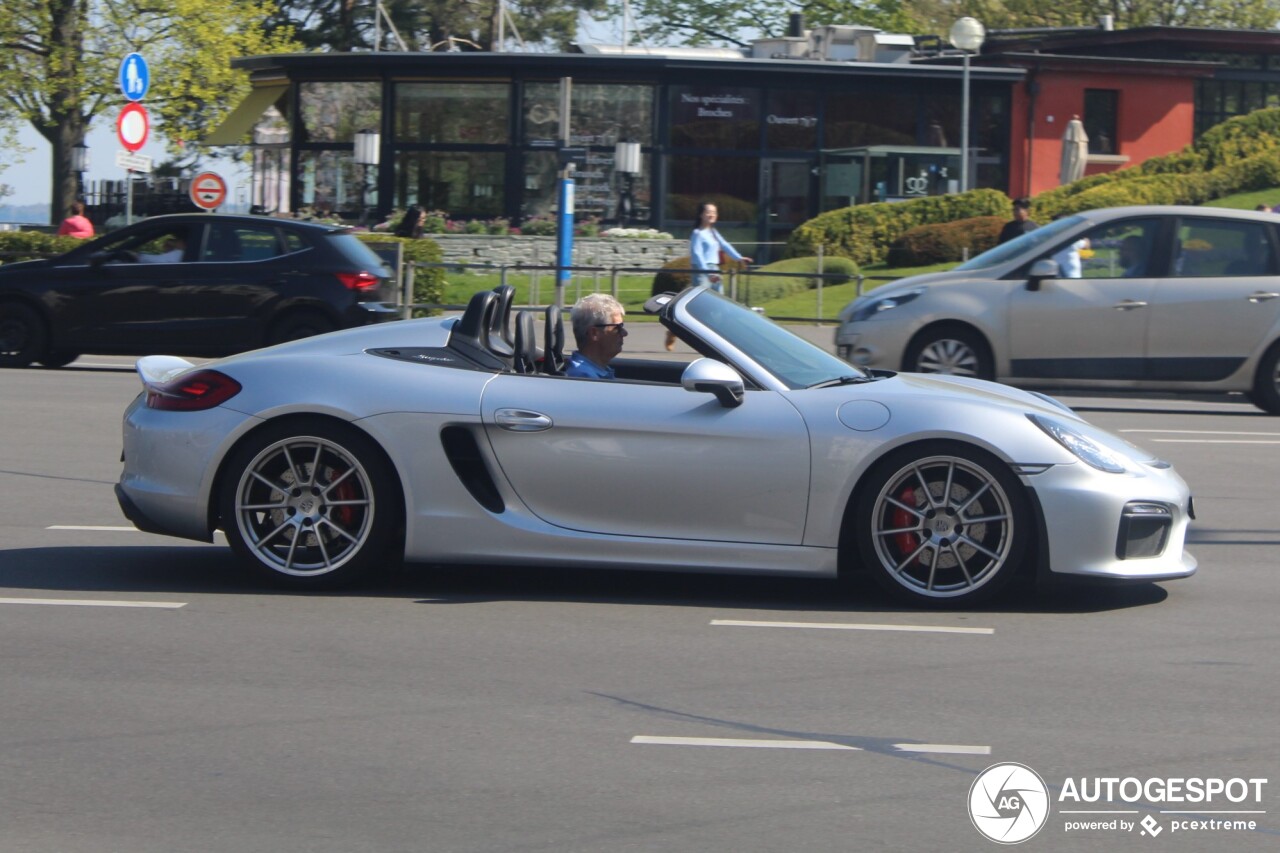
pixel 1008 803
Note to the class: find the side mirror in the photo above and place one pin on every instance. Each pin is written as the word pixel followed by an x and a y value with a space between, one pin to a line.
pixel 1040 270
pixel 707 375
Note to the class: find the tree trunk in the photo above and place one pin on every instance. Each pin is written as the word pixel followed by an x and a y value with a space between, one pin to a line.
pixel 67 122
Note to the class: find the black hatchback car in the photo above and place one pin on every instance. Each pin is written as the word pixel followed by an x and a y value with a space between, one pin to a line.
pixel 196 284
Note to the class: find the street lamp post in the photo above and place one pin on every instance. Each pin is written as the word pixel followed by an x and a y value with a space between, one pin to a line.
pixel 368 153
pixel 626 162
pixel 80 165
pixel 967 34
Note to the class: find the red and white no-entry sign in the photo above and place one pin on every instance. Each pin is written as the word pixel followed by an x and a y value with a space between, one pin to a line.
pixel 132 126
pixel 208 190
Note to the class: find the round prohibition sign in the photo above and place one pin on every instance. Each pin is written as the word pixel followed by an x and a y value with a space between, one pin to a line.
pixel 208 190
pixel 132 126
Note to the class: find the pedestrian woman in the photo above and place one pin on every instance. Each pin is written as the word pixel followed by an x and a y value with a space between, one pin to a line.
pixel 411 224
pixel 77 224
pixel 706 247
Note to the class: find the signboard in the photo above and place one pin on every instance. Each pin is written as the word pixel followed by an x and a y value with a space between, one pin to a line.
pixel 208 190
pixel 132 126
pixel 135 77
pixel 133 162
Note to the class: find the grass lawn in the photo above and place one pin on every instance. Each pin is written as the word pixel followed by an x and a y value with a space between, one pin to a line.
pixel 1247 201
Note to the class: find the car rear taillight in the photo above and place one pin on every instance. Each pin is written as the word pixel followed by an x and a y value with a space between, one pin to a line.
pixel 192 392
pixel 359 280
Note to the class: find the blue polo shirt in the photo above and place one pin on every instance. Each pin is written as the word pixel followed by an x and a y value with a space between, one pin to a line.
pixel 584 368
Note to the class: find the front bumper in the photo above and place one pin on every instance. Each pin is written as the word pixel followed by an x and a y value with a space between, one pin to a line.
pixel 1117 526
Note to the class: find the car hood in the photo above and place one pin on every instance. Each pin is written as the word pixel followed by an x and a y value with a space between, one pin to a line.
pixel 945 389
pixel 902 285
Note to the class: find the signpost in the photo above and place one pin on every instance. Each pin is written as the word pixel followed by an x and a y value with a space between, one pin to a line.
pixel 133 162
pixel 134 125
pixel 135 77
pixel 208 191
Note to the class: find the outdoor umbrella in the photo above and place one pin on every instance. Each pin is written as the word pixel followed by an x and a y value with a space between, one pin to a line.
pixel 1075 150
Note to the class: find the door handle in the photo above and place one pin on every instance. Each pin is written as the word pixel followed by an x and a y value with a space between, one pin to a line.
pixel 1129 304
pixel 522 420
pixel 1262 296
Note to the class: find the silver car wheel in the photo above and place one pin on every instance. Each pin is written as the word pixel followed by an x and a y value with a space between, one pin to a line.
pixel 943 527
pixel 304 506
pixel 948 355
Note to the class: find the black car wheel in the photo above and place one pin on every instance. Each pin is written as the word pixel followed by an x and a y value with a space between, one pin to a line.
pixel 22 335
pixel 942 524
pixel 303 324
pixel 58 358
pixel 311 505
pixel 951 350
pixel 1266 385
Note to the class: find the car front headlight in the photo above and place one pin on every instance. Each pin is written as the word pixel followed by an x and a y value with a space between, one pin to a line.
pixel 884 303
pixel 1091 446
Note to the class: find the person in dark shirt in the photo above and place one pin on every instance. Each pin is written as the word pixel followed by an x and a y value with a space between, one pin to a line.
pixel 1021 222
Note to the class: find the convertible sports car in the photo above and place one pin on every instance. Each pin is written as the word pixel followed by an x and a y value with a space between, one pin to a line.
pixel 457 440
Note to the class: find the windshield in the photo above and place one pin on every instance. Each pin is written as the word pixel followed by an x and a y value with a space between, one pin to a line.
pixel 1026 243
pixel 795 361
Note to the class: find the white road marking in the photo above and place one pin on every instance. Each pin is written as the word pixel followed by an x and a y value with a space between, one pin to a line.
pixel 1203 432
pixel 89 602
pixel 118 529
pixel 762 743
pixel 854 626
pixel 1264 436
pixel 1207 441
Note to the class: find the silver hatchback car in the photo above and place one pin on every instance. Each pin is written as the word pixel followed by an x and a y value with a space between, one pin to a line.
pixel 1154 298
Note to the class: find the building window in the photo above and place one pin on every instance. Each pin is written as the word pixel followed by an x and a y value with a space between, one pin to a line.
pixel 330 182
pixel 333 112
pixel 715 117
pixel 452 113
pixel 855 119
pixel 602 113
pixel 732 184
pixel 463 184
pixel 791 121
pixel 1100 109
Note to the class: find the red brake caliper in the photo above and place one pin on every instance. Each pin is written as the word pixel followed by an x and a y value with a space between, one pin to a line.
pixel 907 542
pixel 345 491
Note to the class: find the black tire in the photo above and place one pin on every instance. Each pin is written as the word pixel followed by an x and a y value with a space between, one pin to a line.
pixel 942 524
pixel 57 358
pixel 311 505
pixel 1266 385
pixel 299 325
pixel 22 335
pixel 951 350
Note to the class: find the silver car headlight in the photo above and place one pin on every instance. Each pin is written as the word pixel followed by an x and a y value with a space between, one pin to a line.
pixel 1094 448
pixel 884 303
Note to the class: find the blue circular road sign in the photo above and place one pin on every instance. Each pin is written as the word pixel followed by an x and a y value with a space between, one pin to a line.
pixel 135 77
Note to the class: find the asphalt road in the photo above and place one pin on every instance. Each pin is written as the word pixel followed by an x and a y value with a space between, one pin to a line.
pixel 503 709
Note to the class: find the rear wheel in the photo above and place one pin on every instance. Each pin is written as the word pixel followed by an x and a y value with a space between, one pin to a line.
pixel 22 335
pixel 950 349
pixel 311 505
pixel 58 358
pixel 1266 385
pixel 293 327
pixel 942 524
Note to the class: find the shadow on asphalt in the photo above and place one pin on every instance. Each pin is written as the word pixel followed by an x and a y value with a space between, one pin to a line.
pixel 213 570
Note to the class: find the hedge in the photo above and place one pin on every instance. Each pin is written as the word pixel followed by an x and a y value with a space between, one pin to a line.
pixel 762 288
pixel 944 242
pixel 29 245
pixel 428 282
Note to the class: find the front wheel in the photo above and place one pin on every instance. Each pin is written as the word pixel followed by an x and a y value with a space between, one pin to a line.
pixel 22 335
pixel 942 525
pixel 1266 385
pixel 58 358
pixel 311 505
pixel 956 351
pixel 294 327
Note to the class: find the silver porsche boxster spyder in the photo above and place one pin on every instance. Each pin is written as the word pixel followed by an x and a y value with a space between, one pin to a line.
pixel 459 440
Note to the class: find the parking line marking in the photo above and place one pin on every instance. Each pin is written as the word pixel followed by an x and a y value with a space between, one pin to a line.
pixel 90 602
pixel 854 626
pixel 763 743
pixel 120 529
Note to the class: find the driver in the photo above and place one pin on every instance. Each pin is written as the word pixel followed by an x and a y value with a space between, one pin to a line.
pixel 598 331
pixel 175 247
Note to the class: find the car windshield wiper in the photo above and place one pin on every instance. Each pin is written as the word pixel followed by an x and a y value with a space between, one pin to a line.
pixel 840 380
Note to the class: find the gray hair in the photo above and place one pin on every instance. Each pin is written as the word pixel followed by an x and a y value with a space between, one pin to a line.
pixel 594 309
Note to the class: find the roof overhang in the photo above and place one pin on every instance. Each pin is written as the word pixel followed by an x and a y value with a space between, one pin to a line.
pixel 241 120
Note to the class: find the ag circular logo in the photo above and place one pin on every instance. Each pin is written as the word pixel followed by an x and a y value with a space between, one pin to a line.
pixel 1008 803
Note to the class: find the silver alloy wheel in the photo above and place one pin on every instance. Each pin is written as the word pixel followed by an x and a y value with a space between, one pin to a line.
pixel 948 355
pixel 942 527
pixel 304 506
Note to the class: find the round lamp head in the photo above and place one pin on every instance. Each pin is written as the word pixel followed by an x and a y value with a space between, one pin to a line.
pixel 968 34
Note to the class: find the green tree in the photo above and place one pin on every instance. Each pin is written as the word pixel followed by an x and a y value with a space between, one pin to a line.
pixel 736 22
pixel 1004 14
pixel 59 64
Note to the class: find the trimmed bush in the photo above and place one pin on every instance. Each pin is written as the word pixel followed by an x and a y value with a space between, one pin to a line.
pixel 945 241
pixel 757 288
pixel 666 280
pixel 30 245
pixel 428 282
pixel 863 233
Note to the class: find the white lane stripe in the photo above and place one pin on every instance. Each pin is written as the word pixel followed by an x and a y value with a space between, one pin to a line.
pixel 1202 432
pixel 761 743
pixel 119 529
pixel 854 626
pixel 1207 441
pixel 90 602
